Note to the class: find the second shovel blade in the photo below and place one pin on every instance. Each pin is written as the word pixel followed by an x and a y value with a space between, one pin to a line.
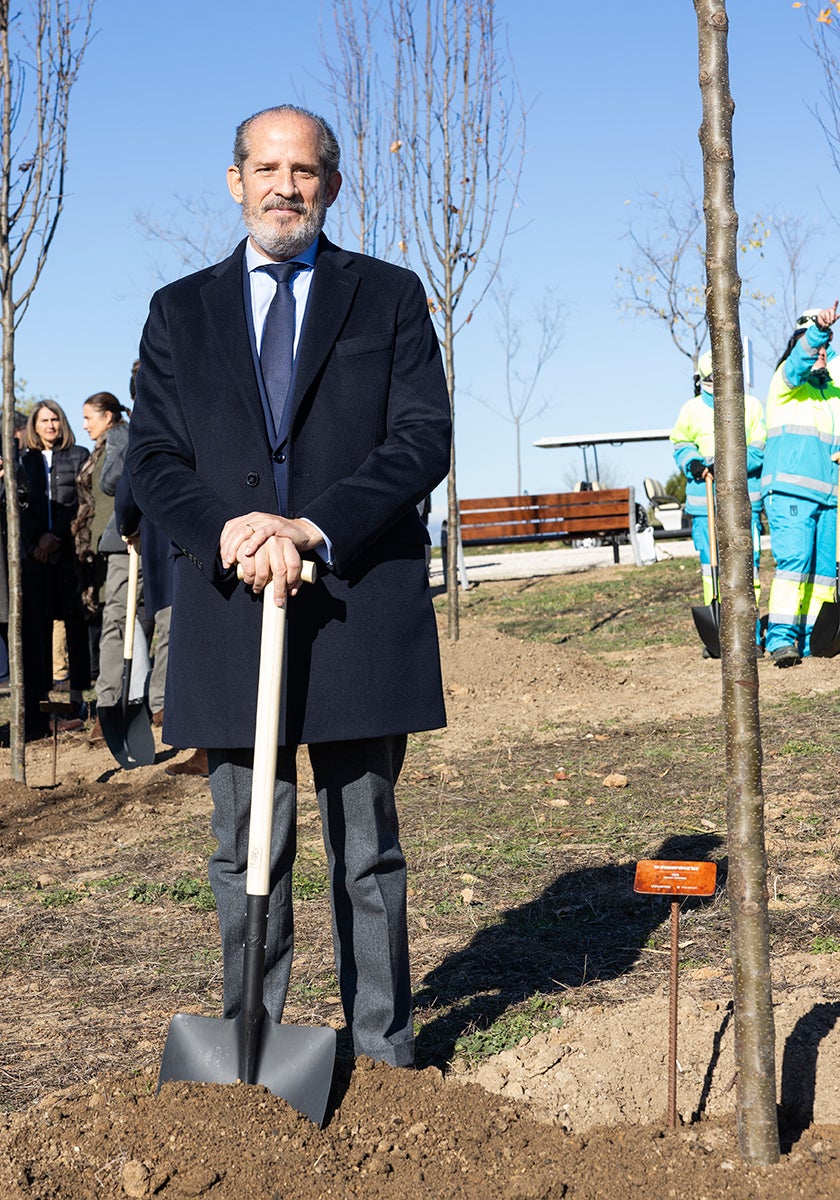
pixel 707 620
pixel 129 737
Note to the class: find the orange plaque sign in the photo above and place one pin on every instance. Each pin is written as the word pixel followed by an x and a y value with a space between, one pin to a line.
pixel 665 878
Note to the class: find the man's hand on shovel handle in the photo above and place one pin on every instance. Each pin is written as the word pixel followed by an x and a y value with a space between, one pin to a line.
pixel 267 546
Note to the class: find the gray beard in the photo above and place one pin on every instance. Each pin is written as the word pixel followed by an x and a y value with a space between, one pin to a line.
pixel 286 245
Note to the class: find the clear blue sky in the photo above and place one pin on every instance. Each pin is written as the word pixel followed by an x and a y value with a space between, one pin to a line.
pixel 614 110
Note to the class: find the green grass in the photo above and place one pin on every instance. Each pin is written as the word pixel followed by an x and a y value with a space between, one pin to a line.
pixel 625 612
pixel 207 955
pixel 825 944
pixel 803 747
pixel 108 883
pixel 60 897
pixel 309 885
pixel 537 1015
pixel 196 893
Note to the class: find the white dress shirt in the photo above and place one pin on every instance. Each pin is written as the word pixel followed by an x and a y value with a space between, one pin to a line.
pixel 263 288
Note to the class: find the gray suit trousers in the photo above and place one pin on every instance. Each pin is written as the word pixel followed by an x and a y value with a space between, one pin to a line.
pixel 355 785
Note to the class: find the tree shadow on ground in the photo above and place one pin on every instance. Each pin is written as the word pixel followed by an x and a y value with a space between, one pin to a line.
pixel 799 1069
pixel 587 926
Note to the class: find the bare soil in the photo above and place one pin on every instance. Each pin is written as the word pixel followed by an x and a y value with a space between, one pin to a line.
pixel 525 933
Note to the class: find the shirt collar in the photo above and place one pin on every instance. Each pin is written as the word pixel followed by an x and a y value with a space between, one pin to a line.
pixel 255 259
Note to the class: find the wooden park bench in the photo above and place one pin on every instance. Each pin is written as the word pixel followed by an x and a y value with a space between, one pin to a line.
pixel 608 514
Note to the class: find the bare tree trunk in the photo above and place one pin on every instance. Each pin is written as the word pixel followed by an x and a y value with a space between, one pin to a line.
pixel 447 240
pixel 13 637
pixel 36 79
pixel 453 516
pixel 7 324
pixel 458 151
pixel 747 879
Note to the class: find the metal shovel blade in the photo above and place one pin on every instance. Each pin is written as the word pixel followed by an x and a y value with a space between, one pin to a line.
pixel 825 633
pixel 707 620
pixel 295 1062
pixel 128 734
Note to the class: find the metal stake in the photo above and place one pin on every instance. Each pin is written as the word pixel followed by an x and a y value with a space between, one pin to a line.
pixel 672 1028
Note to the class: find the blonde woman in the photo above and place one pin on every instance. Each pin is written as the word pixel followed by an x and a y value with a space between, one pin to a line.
pixel 51 462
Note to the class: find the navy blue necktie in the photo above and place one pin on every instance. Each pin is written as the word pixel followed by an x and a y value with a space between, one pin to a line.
pixel 278 338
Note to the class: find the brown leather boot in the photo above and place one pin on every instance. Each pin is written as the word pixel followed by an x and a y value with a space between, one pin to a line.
pixel 196 764
pixel 96 737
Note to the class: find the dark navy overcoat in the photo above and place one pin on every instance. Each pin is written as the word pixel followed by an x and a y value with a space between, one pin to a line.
pixel 369 436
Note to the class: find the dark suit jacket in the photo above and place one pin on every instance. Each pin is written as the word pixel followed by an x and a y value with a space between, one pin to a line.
pixel 368 437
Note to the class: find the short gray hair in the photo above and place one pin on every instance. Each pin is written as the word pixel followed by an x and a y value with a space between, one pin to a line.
pixel 329 150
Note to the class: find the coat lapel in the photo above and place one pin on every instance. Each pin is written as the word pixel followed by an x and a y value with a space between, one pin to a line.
pixel 224 304
pixel 333 288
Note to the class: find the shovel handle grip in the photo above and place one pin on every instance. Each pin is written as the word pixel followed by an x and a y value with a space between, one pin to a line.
pixel 308 570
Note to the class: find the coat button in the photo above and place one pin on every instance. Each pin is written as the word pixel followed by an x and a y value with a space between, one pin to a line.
pixel 252 479
pixel 279 456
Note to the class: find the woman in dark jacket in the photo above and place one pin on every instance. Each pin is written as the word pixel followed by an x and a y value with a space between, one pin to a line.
pixel 51 462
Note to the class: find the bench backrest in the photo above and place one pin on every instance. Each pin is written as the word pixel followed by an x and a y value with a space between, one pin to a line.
pixel 551 515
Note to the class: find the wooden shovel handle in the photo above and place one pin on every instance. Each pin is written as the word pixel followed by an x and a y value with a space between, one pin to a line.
pixel 308 570
pixel 131 602
pixel 710 509
pixel 269 693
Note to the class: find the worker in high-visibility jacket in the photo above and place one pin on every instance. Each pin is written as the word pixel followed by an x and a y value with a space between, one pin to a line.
pixel 799 483
pixel 693 437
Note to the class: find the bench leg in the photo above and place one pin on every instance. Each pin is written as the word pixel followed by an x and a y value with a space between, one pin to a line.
pixel 462 567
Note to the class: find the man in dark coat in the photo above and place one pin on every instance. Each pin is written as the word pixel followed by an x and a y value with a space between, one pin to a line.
pixel 334 471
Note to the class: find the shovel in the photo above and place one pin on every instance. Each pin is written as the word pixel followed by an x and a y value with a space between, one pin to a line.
pixel 294 1062
pixel 127 726
pixel 707 616
pixel 825 632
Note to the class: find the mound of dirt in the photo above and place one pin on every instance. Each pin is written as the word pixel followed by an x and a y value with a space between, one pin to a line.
pixel 610 1064
pixel 392 1134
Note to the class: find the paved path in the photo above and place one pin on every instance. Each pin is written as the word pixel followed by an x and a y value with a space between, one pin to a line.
pixel 523 564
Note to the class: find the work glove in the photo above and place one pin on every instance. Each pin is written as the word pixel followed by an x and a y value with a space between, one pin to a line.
pixel 697 467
